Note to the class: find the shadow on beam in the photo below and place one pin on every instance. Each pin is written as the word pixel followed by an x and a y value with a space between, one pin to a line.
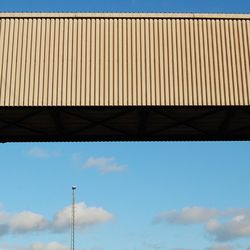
pixel 50 124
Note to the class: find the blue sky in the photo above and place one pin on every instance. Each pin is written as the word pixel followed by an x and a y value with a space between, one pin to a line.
pixel 229 6
pixel 136 195
pixel 130 196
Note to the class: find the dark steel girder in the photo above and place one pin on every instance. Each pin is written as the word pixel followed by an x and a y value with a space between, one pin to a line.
pixel 32 124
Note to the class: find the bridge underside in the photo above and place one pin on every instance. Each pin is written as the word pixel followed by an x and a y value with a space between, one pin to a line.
pixel 124 124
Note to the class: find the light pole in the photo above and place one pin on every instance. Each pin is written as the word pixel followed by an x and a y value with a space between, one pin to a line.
pixel 73 219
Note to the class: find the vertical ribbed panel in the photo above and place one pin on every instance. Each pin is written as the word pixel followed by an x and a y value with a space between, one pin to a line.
pixel 124 61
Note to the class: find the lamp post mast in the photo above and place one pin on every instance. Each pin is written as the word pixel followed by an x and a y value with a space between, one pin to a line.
pixel 73 219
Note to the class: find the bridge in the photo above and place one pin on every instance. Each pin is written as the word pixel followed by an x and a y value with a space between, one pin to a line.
pixel 124 77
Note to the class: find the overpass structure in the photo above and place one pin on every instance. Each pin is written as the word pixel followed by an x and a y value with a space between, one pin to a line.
pixel 124 76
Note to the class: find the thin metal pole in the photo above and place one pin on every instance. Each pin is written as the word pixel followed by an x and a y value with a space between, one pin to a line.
pixel 73 219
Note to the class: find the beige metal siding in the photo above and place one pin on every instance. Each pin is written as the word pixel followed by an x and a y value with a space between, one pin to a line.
pixel 124 59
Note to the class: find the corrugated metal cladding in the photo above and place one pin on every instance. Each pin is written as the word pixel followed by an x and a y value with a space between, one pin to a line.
pixel 111 60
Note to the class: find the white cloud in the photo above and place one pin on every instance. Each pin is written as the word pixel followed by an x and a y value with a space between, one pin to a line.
pixel 41 246
pixel 4 229
pixel 154 246
pixel 104 165
pixel 85 217
pixel 213 225
pixel 28 222
pixel 223 225
pixel 10 246
pixel 181 249
pixel 237 227
pixel 49 246
pixel 221 247
pixel 22 222
pixel 188 215
pixel 35 246
pixel 42 153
